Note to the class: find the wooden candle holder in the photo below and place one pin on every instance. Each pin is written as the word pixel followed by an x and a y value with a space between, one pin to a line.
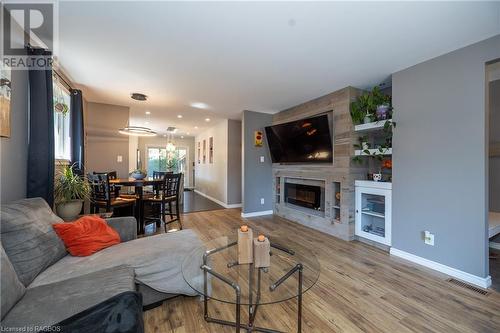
pixel 245 247
pixel 261 252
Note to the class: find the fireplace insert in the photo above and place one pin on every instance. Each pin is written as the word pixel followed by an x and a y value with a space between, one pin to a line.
pixel 307 196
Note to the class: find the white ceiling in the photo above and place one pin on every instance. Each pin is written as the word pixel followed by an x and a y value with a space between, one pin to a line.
pixel 251 56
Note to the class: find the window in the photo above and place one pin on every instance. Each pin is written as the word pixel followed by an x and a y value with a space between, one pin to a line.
pixel 156 159
pixel 159 159
pixel 62 121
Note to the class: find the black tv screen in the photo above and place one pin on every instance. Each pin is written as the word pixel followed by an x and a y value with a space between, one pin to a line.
pixel 302 141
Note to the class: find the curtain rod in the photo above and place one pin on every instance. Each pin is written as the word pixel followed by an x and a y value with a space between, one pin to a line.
pixel 70 88
pixel 63 80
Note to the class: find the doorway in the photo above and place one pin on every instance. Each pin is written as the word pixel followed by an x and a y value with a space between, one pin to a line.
pixel 493 107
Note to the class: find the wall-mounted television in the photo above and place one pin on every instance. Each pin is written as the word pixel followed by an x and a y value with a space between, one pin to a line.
pixel 302 141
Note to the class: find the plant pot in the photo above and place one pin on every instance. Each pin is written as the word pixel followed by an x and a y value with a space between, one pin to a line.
pixel 138 175
pixel 68 211
pixel 383 112
pixel 365 146
pixel 367 119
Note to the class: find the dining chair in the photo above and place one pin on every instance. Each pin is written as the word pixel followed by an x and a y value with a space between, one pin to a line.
pixel 104 196
pixel 165 196
pixel 112 175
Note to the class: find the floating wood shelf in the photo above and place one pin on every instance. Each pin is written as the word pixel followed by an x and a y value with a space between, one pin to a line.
pixel 374 126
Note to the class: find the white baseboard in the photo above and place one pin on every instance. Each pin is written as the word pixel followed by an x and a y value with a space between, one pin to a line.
pixel 223 204
pixel 456 273
pixel 494 245
pixel 254 214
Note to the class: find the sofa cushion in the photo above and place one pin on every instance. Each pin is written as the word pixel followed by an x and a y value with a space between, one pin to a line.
pixel 86 235
pixel 156 260
pixel 52 303
pixel 12 288
pixel 28 238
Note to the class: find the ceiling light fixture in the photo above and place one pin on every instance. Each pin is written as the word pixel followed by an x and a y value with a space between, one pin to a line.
pixel 137 131
pixel 199 105
pixel 196 127
pixel 138 96
pixel 207 119
pixel 179 116
pixel 148 112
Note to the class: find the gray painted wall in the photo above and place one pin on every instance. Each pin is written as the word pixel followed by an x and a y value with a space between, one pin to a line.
pixel 439 154
pixel 494 161
pixel 14 150
pixel 233 162
pixel 257 177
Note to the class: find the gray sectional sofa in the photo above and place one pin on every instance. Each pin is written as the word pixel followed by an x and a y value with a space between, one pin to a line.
pixel 42 284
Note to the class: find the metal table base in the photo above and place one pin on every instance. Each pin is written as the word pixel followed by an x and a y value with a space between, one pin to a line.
pixel 253 306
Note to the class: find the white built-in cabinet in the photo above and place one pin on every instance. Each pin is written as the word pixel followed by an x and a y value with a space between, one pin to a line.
pixel 373 211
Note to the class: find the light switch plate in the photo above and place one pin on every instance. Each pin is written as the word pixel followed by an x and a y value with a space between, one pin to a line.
pixel 262 159
pixel 261 201
pixel 428 238
pixel 119 158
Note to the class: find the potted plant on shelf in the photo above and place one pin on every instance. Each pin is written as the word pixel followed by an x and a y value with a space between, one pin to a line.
pixel 371 106
pixel 70 191
pixel 138 174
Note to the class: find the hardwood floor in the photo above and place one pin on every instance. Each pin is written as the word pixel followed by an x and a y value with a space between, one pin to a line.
pixel 194 202
pixel 360 289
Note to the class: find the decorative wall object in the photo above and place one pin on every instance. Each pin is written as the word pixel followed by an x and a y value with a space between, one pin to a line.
pixel 211 150
pixel 204 151
pixel 259 139
pixel 5 92
pixel 199 152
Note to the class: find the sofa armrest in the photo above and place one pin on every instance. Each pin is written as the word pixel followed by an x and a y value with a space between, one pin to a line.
pixel 125 226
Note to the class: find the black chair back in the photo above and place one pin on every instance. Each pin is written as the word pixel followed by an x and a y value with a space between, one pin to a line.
pixel 159 174
pixel 101 189
pixel 172 183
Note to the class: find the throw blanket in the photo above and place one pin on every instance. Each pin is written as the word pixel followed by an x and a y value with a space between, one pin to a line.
pixel 156 261
pixel 119 314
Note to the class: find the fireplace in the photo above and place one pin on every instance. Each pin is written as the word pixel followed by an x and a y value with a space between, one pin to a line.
pixel 305 196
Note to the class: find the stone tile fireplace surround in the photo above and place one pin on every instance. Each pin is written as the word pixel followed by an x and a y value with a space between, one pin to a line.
pixel 335 217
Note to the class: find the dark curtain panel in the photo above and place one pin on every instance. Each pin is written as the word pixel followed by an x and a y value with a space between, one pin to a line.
pixel 77 140
pixel 41 132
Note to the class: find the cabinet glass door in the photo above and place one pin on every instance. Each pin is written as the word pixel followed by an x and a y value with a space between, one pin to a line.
pixel 373 211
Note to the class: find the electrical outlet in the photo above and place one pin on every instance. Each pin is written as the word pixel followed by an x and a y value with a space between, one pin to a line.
pixel 262 159
pixel 428 238
pixel 119 158
pixel 261 201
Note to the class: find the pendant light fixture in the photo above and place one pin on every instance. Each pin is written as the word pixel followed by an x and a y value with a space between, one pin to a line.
pixel 137 131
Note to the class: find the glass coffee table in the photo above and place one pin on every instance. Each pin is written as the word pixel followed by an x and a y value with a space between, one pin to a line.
pixel 213 271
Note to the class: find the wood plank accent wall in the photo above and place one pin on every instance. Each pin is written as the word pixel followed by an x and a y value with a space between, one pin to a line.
pixel 342 170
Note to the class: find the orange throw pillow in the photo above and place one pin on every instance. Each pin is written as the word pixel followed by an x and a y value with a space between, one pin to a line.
pixel 86 235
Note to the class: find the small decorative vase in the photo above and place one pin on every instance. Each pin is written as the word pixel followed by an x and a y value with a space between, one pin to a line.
pixel 138 175
pixel 377 177
pixel 365 146
pixel 382 112
pixel 68 211
pixel 367 119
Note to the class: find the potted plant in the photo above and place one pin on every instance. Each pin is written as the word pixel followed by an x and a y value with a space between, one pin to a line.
pixel 172 163
pixel 70 191
pixel 371 106
pixel 138 174
pixel 382 103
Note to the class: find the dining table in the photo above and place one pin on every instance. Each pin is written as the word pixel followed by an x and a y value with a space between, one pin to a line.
pixel 138 185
